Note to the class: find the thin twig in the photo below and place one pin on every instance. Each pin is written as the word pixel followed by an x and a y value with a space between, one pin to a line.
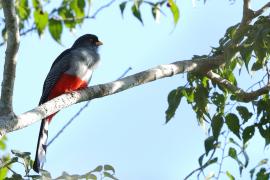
pixel 101 8
pixel 8 167
pixel 222 156
pixel 202 167
pixel 241 94
pixel 262 10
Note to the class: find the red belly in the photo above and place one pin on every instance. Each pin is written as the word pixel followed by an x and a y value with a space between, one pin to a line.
pixel 66 83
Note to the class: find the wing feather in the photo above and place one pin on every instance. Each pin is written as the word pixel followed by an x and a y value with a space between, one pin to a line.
pixel 60 65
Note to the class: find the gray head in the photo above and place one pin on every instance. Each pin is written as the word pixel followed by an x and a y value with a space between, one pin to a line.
pixel 87 40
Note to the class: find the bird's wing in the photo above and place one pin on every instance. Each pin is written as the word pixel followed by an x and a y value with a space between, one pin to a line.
pixel 59 66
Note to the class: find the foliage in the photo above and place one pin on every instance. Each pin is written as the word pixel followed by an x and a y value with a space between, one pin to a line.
pixel 231 122
pixel 37 15
pixel 4 158
pixel 23 158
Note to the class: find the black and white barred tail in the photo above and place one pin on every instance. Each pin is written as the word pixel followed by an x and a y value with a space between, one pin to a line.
pixel 41 146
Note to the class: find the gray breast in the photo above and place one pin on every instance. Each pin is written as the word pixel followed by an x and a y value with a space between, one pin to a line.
pixel 83 62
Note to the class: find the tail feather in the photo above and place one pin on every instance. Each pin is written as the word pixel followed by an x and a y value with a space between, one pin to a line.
pixel 41 146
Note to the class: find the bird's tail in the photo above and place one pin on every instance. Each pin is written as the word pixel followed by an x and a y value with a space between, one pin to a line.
pixel 41 145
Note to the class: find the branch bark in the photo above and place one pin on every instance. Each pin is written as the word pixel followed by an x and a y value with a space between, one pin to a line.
pixel 11 21
pixel 262 10
pixel 241 95
pixel 66 100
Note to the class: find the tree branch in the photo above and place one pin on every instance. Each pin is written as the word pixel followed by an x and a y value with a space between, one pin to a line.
pixel 241 94
pixel 11 20
pixel 262 10
pixel 66 100
pixel 247 13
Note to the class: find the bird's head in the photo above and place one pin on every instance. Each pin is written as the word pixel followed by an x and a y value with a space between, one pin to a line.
pixel 87 40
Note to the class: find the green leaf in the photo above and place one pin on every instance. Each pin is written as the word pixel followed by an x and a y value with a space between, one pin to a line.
pixel 3 173
pixel 216 124
pixel 209 144
pixel 16 177
pixel 263 162
pixel 78 7
pixel 252 173
pixel 219 100
pixel 244 113
pixel 265 133
pixel 23 10
pixel 67 14
pixel 232 122
pixel 98 169
pixel 261 106
pixel 188 93
pixel 201 160
pixel 109 168
pixel 155 12
pixel 231 31
pixel 201 95
pixel 67 176
pixel 257 66
pixel 229 175
pixel 88 175
pixel 259 51
pixel 9 162
pixel 41 20
pixel 20 154
pixel 106 174
pixel 2 145
pixel 174 10
pixel 246 53
pixel 136 12
pixel 248 133
pixel 212 161
pixel 81 4
pixel 122 7
pixel 55 28
pixel 45 174
pixel 36 4
pixel 262 175
pixel 232 153
pixel 174 99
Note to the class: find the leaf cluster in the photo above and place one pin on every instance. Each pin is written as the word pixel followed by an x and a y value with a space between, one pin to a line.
pixel 38 15
pixel 231 123
pixel 23 158
pixel 69 13
pixel 156 8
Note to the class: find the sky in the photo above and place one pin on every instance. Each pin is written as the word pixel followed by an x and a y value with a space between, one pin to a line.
pixel 126 130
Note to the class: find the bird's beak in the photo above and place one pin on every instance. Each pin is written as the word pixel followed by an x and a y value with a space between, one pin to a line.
pixel 99 43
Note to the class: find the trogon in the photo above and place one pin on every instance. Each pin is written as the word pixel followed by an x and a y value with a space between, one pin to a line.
pixel 71 71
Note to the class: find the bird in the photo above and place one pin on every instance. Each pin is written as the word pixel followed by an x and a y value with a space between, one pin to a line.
pixel 72 70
